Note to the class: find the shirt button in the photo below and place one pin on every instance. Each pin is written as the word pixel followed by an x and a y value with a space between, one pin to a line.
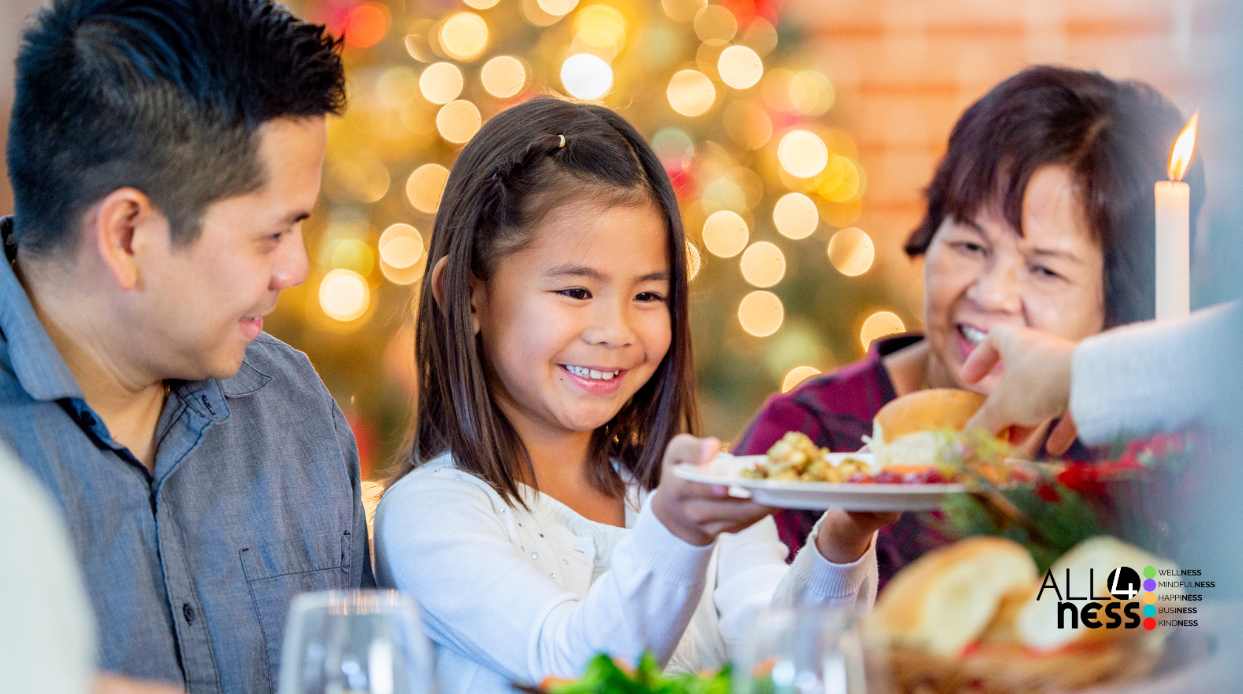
pixel 188 612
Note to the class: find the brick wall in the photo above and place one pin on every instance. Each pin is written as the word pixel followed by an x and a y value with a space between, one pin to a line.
pixel 905 69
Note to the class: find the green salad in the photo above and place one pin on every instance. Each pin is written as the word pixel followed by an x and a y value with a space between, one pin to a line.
pixel 603 676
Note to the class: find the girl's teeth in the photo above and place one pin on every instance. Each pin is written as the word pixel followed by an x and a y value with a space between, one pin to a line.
pixel 591 373
pixel 973 336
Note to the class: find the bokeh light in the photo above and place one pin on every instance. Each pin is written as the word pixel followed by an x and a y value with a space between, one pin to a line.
pixel 366 25
pixel 401 246
pixel 694 261
pixel 600 28
pixel 503 76
pixel 796 376
pixel 586 76
pixel 723 193
pixel 464 36
pixel 851 251
pixel 725 233
pixel 536 15
pixel 811 93
pixel 425 186
pixel 802 153
pixel 763 264
pixel 760 313
pixel 441 83
pixel 557 8
pixel 344 295
pixel 674 147
pixel 458 121
pixel 352 254
pixel 480 4
pixel 878 325
pixel 740 67
pixel 682 10
pixel 795 215
pixel 691 93
pixel 842 180
pixel 715 24
pixel 761 36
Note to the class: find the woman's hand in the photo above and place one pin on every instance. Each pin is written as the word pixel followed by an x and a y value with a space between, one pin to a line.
pixel 698 513
pixel 844 535
pixel 1034 386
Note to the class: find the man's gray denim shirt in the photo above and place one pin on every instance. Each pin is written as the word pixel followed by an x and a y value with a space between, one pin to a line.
pixel 255 497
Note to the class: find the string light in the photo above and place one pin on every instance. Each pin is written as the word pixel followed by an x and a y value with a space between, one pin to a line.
pixel 760 313
pixel 796 376
pixel 725 233
pixel 425 186
pixel 795 215
pixel 344 295
pixel 851 251
pixel 586 76
pixel 763 264
pixel 441 82
pixel 878 325
pixel 503 76
pixel 802 153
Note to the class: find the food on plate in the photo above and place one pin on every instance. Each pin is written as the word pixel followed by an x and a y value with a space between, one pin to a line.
pixel 796 457
pixel 917 439
pixel 966 617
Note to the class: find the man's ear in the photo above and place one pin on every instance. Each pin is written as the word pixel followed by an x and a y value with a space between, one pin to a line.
pixel 476 292
pixel 122 227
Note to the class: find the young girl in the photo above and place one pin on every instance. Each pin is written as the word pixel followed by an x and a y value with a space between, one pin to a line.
pixel 535 527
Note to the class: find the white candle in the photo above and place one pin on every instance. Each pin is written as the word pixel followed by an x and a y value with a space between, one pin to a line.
pixel 1173 240
pixel 1173 249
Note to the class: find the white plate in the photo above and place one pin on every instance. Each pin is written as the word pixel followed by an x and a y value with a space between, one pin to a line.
pixel 817 496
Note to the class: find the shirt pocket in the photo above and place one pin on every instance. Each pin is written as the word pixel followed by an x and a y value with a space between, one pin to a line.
pixel 278 571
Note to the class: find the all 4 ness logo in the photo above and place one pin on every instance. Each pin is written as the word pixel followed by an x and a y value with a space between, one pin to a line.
pixel 1129 601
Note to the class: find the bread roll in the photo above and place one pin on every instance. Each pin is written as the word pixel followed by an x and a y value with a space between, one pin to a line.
pixel 942 602
pixel 927 410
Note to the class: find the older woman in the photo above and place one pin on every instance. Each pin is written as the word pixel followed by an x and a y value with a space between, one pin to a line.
pixel 1039 215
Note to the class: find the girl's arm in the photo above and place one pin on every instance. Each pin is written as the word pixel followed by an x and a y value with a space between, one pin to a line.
pixel 752 575
pixel 441 538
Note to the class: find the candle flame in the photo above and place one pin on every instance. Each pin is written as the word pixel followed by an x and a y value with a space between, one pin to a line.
pixel 1184 148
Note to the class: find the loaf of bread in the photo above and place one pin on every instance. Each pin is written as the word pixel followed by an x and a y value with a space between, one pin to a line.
pixel 944 600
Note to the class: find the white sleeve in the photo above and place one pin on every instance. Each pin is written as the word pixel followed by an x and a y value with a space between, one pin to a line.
pixel 1157 377
pixel 752 574
pixel 442 541
pixel 47 634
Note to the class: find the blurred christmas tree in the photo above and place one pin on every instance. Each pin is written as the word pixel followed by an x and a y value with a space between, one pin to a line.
pixel 727 95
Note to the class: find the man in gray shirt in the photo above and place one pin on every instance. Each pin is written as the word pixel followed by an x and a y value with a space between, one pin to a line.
pixel 163 154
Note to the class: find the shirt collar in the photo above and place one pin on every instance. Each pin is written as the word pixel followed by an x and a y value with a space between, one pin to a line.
pixel 37 363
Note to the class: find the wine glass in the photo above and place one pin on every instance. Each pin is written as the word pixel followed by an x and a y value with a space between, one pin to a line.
pixel 355 642
pixel 803 650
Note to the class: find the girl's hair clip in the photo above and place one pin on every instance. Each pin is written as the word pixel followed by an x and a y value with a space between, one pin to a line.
pixel 560 141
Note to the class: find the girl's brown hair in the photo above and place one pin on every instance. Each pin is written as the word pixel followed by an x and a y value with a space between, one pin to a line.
pixel 523 163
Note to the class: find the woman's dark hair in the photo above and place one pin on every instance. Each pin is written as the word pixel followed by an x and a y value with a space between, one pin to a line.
pixel 515 171
pixel 1115 137
pixel 165 96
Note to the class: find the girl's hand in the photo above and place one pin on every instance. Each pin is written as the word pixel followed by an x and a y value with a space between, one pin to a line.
pixel 698 513
pixel 844 535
